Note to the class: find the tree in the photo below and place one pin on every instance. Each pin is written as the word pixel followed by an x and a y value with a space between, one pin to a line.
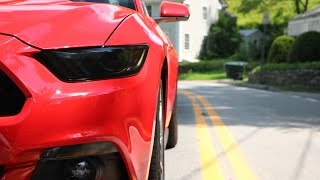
pixel 223 38
pixel 301 6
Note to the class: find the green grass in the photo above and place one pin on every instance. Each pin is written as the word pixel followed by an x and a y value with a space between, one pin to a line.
pixel 204 70
pixel 215 75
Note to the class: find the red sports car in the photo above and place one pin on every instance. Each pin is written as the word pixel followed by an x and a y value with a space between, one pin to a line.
pixel 87 89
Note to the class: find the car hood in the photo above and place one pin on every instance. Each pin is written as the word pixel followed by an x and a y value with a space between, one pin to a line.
pixel 53 24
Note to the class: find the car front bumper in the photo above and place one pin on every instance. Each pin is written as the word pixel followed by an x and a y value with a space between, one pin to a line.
pixel 59 114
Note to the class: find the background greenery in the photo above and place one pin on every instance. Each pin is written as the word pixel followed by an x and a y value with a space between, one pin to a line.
pixel 208 70
pixel 203 70
pixel 280 48
pixel 305 48
pixel 285 66
pixel 280 13
pixel 223 38
pixel 202 66
pixel 223 41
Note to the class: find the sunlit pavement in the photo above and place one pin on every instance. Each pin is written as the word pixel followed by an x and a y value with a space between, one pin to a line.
pixel 230 132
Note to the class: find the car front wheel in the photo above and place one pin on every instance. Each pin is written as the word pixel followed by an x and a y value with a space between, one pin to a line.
pixel 156 171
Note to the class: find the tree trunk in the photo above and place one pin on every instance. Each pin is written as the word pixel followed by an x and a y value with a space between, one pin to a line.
pixel 306 6
pixel 303 3
pixel 297 6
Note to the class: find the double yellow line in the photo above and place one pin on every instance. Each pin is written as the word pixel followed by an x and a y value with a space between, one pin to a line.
pixel 211 168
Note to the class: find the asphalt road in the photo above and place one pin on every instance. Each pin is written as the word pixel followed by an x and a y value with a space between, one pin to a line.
pixel 230 132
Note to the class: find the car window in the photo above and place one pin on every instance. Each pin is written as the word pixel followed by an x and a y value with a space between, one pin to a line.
pixel 124 3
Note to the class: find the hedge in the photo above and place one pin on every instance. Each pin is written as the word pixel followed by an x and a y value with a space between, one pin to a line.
pixel 285 66
pixel 202 66
pixel 306 48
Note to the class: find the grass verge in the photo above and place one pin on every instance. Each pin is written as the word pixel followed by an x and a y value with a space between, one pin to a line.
pixel 204 70
pixel 214 75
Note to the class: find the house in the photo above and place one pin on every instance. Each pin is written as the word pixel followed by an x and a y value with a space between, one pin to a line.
pixel 187 36
pixel 308 21
pixel 251 36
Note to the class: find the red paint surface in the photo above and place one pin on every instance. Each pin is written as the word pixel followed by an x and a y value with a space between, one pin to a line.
pixel 172 9
pixel 56 113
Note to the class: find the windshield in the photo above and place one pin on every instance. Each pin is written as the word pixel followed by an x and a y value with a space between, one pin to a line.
pixel 124 3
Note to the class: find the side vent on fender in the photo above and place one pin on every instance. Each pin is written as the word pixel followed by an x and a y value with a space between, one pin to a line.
pixel 11 97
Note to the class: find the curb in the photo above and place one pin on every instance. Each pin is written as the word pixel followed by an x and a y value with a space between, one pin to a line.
pixel 310 96
pixel 258 86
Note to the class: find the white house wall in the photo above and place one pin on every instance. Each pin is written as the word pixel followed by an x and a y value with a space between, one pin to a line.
pixel 171 29
pixel 196 26
pixel 300 26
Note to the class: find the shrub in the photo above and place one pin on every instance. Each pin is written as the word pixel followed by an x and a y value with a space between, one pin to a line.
pixel 256 69
pixel 280 49
pixel 306 48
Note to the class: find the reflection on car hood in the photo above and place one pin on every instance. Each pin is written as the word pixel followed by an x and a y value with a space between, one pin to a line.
pixel 58 24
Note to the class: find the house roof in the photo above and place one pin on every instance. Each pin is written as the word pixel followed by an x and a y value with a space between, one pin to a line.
pixel 308 14
pixel 248 32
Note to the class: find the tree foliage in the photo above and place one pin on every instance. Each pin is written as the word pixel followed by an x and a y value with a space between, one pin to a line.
pixel 223 38
pixel 301 6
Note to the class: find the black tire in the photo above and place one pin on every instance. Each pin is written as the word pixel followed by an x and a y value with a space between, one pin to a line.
pixel 173 128
pixel 156 171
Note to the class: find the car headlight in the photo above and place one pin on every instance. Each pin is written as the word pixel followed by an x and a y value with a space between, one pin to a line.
pixel 84 64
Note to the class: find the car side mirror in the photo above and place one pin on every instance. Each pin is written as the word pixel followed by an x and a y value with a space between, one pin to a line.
pixel 173 12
